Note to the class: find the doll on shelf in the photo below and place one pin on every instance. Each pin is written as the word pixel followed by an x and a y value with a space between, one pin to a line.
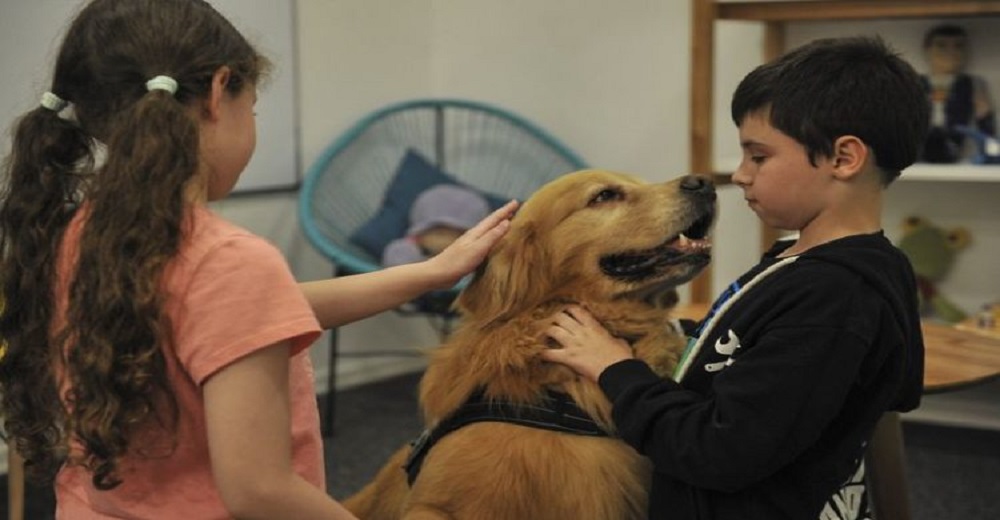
pixel 962 112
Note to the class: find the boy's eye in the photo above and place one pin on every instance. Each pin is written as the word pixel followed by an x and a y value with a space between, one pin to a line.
pixel 757 159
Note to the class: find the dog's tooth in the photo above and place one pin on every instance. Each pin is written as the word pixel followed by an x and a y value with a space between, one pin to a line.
pixel 701 244
pixel 683 241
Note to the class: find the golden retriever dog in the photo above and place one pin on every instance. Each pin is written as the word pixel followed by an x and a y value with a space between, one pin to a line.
pixel 516 438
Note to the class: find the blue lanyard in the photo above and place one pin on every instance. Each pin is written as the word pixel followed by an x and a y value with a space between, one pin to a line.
pixel 728 293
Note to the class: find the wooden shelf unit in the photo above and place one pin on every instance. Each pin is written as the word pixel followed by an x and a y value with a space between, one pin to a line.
pixel 774 15
pixel 887 471
pixel 781 11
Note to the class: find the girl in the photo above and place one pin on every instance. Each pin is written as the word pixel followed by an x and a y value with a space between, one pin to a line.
pixel 156 354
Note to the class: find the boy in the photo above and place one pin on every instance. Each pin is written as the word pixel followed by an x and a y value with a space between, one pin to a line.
pixel 784 381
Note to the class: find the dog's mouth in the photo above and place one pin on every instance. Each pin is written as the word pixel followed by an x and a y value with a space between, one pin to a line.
pixel 691 247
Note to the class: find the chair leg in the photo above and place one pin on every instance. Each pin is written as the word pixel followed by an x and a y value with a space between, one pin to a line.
pixel 326 425
pixel 887 471
pixel 331 387
pixel 15 484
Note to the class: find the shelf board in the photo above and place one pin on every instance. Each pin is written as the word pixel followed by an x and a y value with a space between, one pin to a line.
pixel 920 172
pixel 952 173
pixel 788 11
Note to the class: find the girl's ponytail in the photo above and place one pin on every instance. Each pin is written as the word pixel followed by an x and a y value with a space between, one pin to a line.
pixel 137 209
pixel 40 190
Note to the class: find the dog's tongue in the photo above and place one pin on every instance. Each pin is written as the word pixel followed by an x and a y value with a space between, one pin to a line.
pixel 689 245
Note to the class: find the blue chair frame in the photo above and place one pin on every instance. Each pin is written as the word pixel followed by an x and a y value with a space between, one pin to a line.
pixel 479 144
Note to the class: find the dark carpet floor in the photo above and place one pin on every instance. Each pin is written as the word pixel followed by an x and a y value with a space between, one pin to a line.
pixel 953 473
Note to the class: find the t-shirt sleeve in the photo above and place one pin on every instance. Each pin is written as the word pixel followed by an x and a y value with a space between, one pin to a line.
pixel 241 297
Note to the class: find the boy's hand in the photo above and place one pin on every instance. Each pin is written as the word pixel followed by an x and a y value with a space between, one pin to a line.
pixel 463 255
pixel 587 347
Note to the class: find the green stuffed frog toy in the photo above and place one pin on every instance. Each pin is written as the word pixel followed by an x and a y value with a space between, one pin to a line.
pixel 932 251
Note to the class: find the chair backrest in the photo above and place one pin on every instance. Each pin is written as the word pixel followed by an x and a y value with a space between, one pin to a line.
pixel 479 145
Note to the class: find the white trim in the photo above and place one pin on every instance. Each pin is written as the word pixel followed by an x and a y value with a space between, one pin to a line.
pixel 973 407
pixel 691 353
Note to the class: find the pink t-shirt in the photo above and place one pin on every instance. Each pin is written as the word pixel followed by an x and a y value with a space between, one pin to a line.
pixel 230 293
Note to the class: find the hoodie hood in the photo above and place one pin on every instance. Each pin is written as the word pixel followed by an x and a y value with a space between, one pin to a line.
pixel 878 262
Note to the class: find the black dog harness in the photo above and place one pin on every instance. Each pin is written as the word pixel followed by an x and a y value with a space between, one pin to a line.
pixel 557 412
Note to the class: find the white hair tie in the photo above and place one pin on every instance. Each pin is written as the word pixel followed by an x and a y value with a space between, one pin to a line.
pixel 53 102
pixel 162 83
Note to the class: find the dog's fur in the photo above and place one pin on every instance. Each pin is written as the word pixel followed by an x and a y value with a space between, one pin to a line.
pixel 608 242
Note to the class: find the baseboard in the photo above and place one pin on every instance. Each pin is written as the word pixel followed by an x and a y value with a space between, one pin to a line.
pixel 974 407
pixel 960 411
pixel 356 371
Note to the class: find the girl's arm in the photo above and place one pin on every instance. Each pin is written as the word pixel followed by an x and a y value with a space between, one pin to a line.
pixel 248 423
pixel 338 301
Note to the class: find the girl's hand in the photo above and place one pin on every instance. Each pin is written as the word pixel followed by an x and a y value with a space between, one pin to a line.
pixel 587 347
pixel 463 255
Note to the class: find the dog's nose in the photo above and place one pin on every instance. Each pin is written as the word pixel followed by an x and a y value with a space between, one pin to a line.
pixel 698 185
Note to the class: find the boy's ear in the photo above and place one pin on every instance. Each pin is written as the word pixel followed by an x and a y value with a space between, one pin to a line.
pixel 850 155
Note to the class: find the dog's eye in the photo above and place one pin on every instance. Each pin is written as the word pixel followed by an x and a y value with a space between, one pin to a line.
pixel 606 195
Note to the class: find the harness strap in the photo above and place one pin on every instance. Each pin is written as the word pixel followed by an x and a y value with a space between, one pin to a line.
pixel 558 413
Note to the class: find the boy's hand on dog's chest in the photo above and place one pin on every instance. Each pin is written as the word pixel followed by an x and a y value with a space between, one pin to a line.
pixel 583 344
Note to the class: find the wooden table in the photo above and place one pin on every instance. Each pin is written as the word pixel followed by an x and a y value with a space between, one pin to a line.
pixel 953 358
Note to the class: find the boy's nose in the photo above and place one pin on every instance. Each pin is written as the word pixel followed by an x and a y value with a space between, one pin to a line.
pixel 740 177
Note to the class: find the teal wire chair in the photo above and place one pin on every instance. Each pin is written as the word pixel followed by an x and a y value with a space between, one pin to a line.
pixel 488 148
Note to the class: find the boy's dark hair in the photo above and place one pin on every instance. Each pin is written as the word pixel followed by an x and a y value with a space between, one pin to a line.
pixel 110 352
pixel 947 30
pixel 829 88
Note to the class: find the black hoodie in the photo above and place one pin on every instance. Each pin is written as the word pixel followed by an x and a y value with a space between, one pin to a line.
pixel 781 387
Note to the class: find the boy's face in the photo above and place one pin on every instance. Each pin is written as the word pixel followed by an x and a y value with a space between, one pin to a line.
pixel 778 181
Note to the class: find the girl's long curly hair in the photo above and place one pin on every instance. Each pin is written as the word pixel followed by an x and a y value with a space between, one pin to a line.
pixel 102 378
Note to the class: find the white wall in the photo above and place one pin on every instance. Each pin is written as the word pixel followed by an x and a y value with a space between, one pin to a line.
pixel 600 75
pixel 610 79
pixel 607 78
pixel 31 32
pixel 354 56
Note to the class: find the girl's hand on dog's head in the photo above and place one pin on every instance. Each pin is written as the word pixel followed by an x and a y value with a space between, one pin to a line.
pixel 463 255
pixel 586 346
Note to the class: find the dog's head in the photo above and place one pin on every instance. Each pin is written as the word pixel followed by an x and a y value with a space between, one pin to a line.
pixel 595 236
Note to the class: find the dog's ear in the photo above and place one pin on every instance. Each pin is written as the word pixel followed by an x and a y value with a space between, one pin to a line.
pixel 513 278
